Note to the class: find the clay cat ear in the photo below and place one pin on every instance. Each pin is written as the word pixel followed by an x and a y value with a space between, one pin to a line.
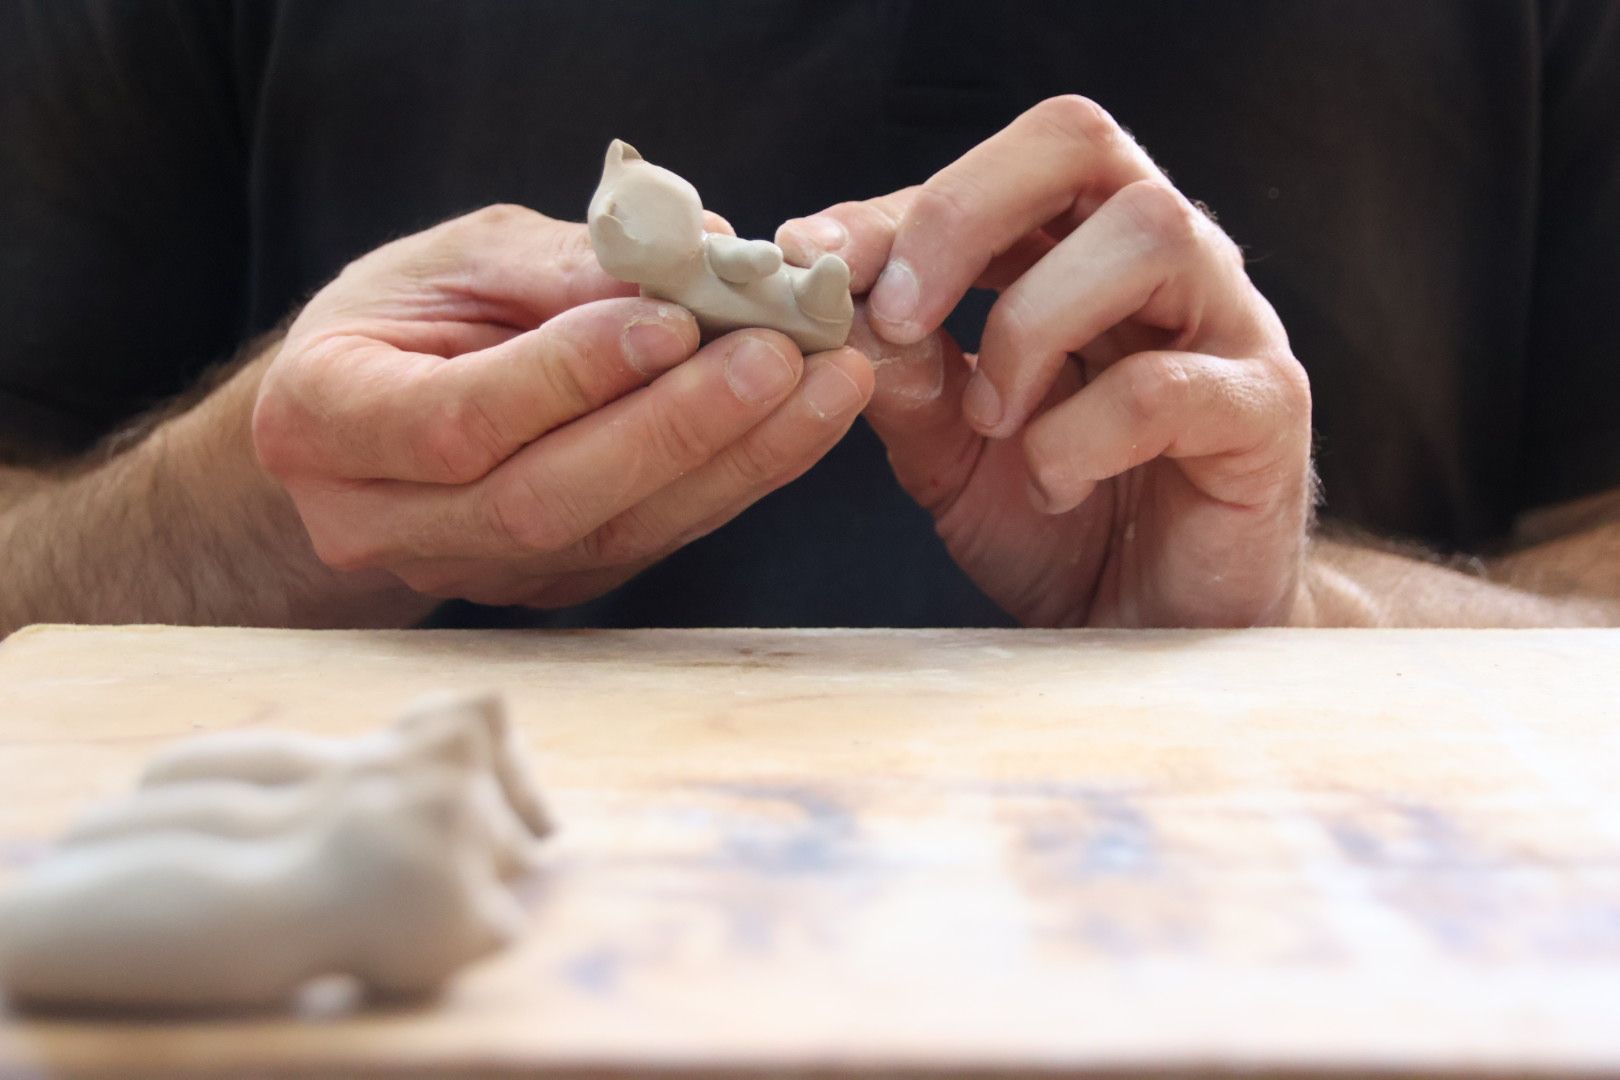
pixel 447 742
pixel 610 231
pixel 620 152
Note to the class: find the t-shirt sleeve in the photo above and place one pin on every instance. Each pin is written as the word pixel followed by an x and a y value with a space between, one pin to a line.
pixel 122 212
pixel 1572 421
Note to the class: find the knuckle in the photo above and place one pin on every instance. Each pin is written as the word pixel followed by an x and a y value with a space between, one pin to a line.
pixel 1010 323
pixel 1227 248
pixel 500 215
pixel 532 516
pixel 460 442
pixel 277 438
pixel 678 435
pixel 1153 383
pixel 1295 389
pixel 1052 478
pixel 619 541
pixel 757 461
pixel 291 426
pixel 945 203
pixel 465 238
pixel 562 372
pixel 1077 119
pixel 878 215
pixel 431 579
pixel 568 244
pixel 342 547
pixel 1045 463
pixel 1159 210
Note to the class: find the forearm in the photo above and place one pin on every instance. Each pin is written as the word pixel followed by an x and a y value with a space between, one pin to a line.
pixel 1573 580
pixel 182 527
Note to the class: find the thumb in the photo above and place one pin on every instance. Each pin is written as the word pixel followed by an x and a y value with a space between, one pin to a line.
pixel 916 409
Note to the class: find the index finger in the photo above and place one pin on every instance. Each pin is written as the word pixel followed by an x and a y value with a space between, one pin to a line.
pixel 1062 158
pixel 860 233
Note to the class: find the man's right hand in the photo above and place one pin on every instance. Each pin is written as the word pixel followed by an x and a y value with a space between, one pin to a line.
pixel 480 410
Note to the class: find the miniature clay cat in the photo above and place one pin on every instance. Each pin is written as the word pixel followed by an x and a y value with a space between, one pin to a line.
pixel 250 862
pixel 446 726
pixel 391 885
pixel 214 785
pixel 646 227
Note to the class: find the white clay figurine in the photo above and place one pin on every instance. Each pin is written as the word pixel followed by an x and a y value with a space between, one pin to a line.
pixel 250 863
pixel 468 732
pixel 646 226
pixel 390 886
pixel 259 783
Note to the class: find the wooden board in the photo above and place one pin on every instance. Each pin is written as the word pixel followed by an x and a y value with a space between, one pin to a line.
pixel 920 852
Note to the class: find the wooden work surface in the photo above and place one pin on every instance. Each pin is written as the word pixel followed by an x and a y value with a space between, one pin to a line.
pixel 913 852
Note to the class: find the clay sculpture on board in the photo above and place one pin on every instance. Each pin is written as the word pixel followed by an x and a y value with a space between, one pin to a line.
pixel 284 757
pixel 646 226
pixel 388 885
pixel 468 732
pixel 251 865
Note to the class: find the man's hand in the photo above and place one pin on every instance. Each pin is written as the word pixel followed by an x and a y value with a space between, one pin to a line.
pixel 1132 445
pixel 483 412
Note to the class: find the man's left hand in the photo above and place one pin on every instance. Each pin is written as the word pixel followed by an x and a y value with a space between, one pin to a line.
pixel 1131 445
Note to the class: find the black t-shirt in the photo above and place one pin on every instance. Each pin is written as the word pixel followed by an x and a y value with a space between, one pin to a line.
pixel 1429 193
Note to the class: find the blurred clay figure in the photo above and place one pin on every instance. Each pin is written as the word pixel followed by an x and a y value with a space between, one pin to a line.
pixel 473 731
pixel 248 863
pixel 392 884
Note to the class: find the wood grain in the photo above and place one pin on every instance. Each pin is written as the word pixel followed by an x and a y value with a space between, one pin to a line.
pixel 937 853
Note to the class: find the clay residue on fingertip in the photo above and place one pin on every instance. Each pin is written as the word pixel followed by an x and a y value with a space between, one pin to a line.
pixel 651 343
pixel 907 375
pixel 643 340
pixel 830 392
pixel 757 371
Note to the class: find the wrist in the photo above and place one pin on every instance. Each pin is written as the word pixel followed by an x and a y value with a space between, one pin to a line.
pixel 221 485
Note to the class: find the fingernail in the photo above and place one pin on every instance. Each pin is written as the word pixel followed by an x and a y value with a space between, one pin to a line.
pixel 652 343
pixel 824 232
pixel 757 371
pixel 894 297
pixel 830 393
pixel 981 403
